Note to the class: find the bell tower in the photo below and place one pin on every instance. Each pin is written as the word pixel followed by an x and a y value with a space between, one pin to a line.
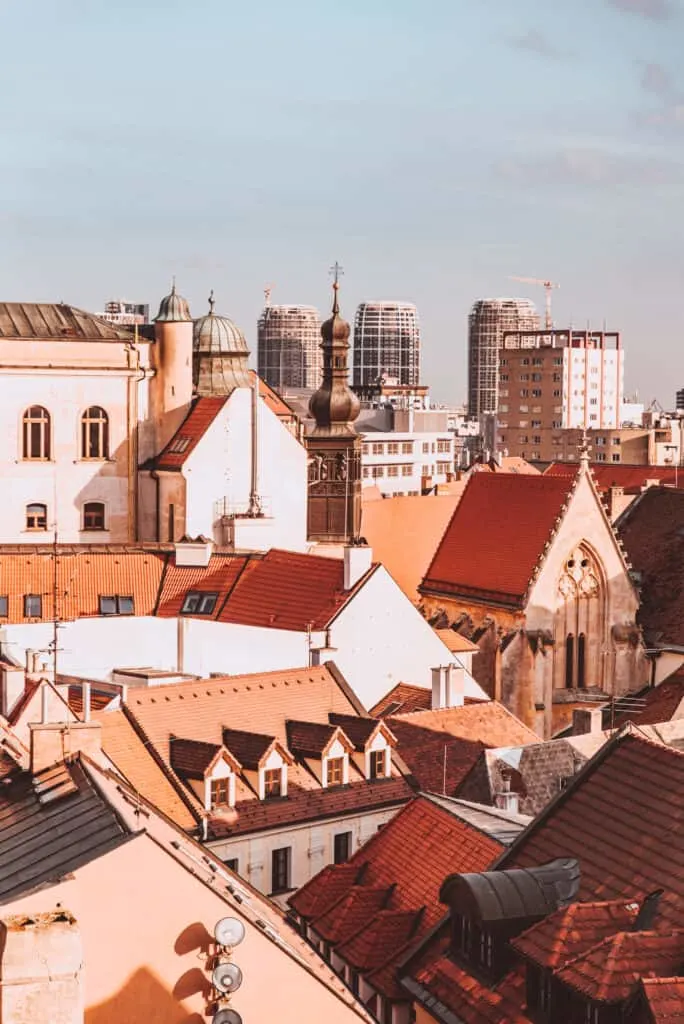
pixel 334 447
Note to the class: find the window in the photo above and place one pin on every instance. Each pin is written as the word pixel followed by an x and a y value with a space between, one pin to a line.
pixel 536 439
pixel 172 523
pixel 36 517
pixel 443 446
pixel 93 515
pixel 536 392
pixel 524 376
pixel 536 423
pixel 3 606
pixel 393 448
pixel 536 377
pixel 36 444
pixel 95 433
pixel 378 449
pixel 615 458
pixel 335 771
pixel 503 376
pixel 569 660
pixel 378 471
pixel 392 471
pixel 616 440
pixel 377 764
pixel 33 606
pixel 406 470
pixel 366 471
pixel 280 869
pixel 581 641
pixel 524 362
pixel 273 782
pixel 524 393
pixel 407 447
pixel 537 361
pixel 426 448
pixel 198 603
pixel 116 604
pixel 232 863
pixel 220 793
pixel 558 361
pixel 342 847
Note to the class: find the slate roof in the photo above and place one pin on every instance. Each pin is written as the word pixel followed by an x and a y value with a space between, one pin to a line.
pixel 56 321
pixel 652 531
pixel 496 537
pixel 51 824
pixel 387 861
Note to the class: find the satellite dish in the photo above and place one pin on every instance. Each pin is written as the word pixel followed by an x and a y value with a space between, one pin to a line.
pixel 226 1017
pixel 229 931
pixel 227 977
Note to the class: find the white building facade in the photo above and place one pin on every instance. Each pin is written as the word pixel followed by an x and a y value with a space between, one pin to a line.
pixel 400 463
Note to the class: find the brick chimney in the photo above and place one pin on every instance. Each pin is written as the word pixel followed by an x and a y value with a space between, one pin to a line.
pixel 506 799
pixel 587 720
pixel 41 969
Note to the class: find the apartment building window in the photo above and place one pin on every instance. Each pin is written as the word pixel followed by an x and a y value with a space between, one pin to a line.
pixel 378 764
pixel 557 424
pixel 93 515
pixel 524 362
pixel 556 377
pixel 503 408
pixel 36 441
pixel 558 361
pixel 406 470
pixel 220 793
pixel 378 449
pixel 4 606
pixel 536 376
pixel 378 471
pixel 366 472
pixel 503 362
pixel 443 446
pixel 503 392
pixel 36 517
pixel 523 439
pixel 198 603
pixel 342 843
pixel 443 467
pixel 524 393
pixel 556 393
pixel 600 456
pixel 536 392
pixel 116 604
pixel 95 433
pixel 535 455
pixel 280 869
pixel 615 457
pixel 524 376
pixel 503 376
pixel 536 439
pixel 334 772
pixel 600 440
pixel 616 440
pixel 407 447
pixel 393 448
pixel 536 423
pixel 537 361
pixel 593 416
pixel 392 471
pixel 273 782
pixel 426 470
pixel 33 606
pixel 426 448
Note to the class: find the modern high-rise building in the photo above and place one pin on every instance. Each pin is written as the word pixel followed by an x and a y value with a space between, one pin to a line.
pixel 289 347
pixel 488 322
pixel 679 399
pixel 386 344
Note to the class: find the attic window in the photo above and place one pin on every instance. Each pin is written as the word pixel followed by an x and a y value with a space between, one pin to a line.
pixel 378 764
pixel 116 604
pixel 220 793
pixel 179 445
pixel 273 782
pixel 198 603
pixel 335 771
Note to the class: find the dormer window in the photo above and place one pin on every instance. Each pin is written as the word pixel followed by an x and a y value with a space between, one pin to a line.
pixel 378 764
pixel 273 782
pixel 220 793
pixel 198 603
pixel 335 771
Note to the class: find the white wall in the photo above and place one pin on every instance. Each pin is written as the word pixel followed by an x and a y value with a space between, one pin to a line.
pixel 233 649
pixel 403 472
pixel 220 467
pixel 380 639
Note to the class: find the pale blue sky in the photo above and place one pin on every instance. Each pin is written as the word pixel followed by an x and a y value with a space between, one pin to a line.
pixel 434 148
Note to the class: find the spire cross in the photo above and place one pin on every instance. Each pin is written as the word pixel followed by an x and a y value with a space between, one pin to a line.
pixel 336 270
pixel 211 301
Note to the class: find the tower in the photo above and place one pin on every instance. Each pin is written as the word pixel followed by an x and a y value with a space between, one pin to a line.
pixel 334 447
pixel 220 355
pixel 386 343
pixel 171 386
pixel 488 320
pixel 289 353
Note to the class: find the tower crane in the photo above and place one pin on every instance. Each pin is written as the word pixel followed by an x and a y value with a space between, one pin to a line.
pixel 548 286
pixel 267 293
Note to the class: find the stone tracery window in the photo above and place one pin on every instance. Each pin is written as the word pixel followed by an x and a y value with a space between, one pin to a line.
pixel 580 623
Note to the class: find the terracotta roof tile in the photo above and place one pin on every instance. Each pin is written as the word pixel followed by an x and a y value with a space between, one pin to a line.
pixel 652 531
pixel 284 590
pixel 193 428
pixel 572 930
pixel 218 577
pixel 609 972
pixel 332 884
pixel 382 936
pixel 496 536
pixel 661 703
pixel 98 699
pixel 438 761
pixel 248 747
pixel 191 758
pixel 402 698
pixel 356 908
pixel 309 739
pixel 456 642
pixel 359 729
pixel 487 721
pixel 664 998
pixel 631 478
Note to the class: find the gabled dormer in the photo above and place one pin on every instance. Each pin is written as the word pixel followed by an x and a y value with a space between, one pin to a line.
pixel 208 769
pixel 325 749
pixel 373 742
pixel 264 759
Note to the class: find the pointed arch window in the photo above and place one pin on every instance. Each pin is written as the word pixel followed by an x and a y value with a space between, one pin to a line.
pixel 569 661
pixel 36 433
pixel 581 644
pixel 95 433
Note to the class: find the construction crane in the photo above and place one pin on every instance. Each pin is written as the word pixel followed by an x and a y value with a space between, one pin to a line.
pixel 267 294
pixel 548 286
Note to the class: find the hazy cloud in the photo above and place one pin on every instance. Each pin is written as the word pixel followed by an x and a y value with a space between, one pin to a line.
pixel 656 10
pixel 535 42
pixel 657 79
pixel 591 167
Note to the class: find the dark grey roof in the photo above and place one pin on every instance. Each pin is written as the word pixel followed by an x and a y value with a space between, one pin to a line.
pixel 47 320
pixel 51 824
pixel 504 826
pixel 515 894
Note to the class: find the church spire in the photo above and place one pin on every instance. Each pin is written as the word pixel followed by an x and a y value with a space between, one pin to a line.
pixel 335 406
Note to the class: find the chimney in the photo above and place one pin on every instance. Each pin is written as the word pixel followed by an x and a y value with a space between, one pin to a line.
pixel 41 968
pixel 506 799
pixel 194 553
pixel 587 721
pixel 439 687
pixel 13 684
pixel 615 501
pixel 52 742
pixel 647 912
pixel 447 686
pixel 358 559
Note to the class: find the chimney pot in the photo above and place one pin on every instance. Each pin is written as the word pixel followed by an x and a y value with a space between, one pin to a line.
pixel 358 559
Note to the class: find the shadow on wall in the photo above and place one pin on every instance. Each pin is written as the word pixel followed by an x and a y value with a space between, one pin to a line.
pixel 143 1000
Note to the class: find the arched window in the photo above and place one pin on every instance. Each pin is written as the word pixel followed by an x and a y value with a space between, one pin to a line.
pixel 36 517
pixel 569 660
pixel 95 433
pixel 93 515
pixel 36 430
pixel 581 642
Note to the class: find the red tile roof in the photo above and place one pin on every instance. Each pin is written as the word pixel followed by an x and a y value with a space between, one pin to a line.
pixel 358 906
pixel 609 972
pixel 284 590
pixel 664 998
pixel 437 761
pixel 389 860
pixel 631 478
pixel 661 703
pixel 218 577
pixel 496 537
pixel 247 747
pixel 191 758
pixel 191 431
pixel 380 939
pixel 359 730
pixel 309 739
pixel 402 698
pixel 572 930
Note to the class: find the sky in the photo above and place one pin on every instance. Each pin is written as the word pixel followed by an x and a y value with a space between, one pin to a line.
pixel 435 148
